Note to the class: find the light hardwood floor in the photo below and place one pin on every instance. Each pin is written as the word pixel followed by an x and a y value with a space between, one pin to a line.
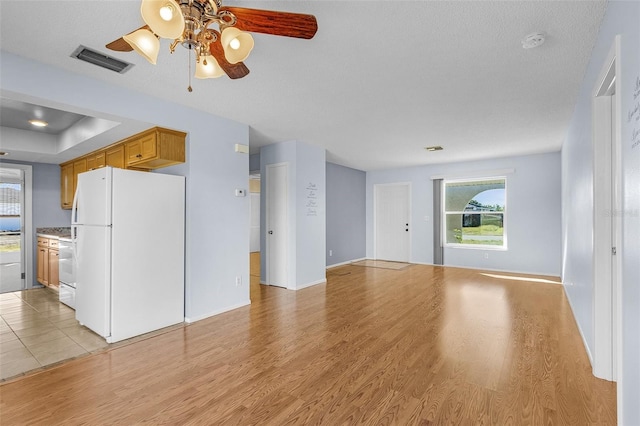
pixel 421 345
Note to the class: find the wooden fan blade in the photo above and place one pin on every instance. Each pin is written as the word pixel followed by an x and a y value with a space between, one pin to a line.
pixel 234 71
pixel 120 45
pixel 275 23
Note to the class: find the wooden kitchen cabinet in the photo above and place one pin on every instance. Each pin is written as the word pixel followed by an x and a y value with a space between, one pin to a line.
pixel 47 268
pixel 43 266
pixel 115 156
pixel 152 149
pixel 79 166
pixel 67 187
pixel 155 148
pixel 95 161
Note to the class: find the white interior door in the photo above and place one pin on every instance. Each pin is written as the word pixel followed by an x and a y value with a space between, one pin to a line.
pixel 277 200
pixel 392 232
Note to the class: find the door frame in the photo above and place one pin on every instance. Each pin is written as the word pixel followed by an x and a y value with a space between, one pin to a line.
pixel 375 218
pixel 27 222
pixel 607 277
pixel 268 201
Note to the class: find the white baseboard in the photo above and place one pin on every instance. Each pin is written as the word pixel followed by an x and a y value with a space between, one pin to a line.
pixel 335 265
pixel 301 286
pixel 190 320
pixel 584 341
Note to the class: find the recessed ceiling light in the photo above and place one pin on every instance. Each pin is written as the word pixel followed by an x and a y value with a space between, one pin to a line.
pixel 434 148
pixel 3 153
pixel 39 123
pixel 533 40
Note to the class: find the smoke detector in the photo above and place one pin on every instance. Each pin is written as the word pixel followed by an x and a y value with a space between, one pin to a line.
pixel 533 40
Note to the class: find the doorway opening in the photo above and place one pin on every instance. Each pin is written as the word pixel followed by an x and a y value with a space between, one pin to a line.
pixel 606 223
pixel 15 227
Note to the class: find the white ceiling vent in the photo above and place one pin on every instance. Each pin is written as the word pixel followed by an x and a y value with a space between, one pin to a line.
pixel 100 59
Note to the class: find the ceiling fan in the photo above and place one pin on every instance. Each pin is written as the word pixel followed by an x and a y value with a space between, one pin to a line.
pixel 218 51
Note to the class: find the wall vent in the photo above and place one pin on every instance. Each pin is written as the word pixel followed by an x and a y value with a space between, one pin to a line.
pixel 100 59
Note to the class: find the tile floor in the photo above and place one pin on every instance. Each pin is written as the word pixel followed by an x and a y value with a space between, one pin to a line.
pixel 36 331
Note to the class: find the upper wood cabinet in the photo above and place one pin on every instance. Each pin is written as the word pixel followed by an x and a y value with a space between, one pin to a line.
pixel 115 156
pixel 95 161
pixel 79 166
pixel 66 185
pixel 154 148
pixel 148 150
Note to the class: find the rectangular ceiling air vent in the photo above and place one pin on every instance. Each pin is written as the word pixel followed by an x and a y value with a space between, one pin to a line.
pixel 101 60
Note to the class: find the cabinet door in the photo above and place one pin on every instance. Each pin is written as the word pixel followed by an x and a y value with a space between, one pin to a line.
pixel 141 149
pixel 79 166
pixel 91 162
pixel 53 268
pixel 95 161
pixel 101 159
pixel 43 266
pixel 115 157
pixel 66 186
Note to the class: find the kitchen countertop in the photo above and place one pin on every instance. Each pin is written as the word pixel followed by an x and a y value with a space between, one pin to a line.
pixel 54 232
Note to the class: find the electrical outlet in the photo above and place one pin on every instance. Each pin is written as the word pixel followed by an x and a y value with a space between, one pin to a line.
pixel 486 255
pixel 330 252
pixel 238 281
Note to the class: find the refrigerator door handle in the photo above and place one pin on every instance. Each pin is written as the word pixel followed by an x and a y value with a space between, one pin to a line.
pixel 74 207
pixel 74 244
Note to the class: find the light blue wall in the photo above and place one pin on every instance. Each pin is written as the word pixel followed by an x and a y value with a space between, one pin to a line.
pixel 533 213
pixel 45 195
pixel 577 222
pixel 311 215
pixel 307 231
pixel 346 213
pixel 217 235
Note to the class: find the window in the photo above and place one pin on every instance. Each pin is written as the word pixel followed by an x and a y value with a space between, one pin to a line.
pixel 475 213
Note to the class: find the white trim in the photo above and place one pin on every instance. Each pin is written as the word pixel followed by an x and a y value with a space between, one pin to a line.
pixel 607 203
pixel 189 320
pixel 268 201
pixel 335 265
pixel 573 312
pixel 301 286
pixel 444 213
pixel 474 175
pixel 508 271
pixel 617 295
pixel 27 215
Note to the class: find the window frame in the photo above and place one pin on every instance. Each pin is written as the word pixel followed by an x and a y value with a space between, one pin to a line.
pixel 445 213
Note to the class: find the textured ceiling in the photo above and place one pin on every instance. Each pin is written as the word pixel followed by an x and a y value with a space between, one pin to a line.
pixel 378 83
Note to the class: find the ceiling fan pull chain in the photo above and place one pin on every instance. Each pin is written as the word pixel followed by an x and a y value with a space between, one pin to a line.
pixel 189 88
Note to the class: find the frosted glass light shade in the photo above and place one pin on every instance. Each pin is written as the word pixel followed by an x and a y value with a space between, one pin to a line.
pixel 152 14
pixel 210 70
pixel 243 41
pixel 145 43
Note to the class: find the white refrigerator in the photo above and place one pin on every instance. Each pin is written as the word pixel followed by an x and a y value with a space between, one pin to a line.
pixel 128 233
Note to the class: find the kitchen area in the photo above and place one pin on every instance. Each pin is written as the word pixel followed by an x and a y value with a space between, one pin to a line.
pixel 132 284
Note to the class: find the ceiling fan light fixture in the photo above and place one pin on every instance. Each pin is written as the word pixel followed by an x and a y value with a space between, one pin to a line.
pixel 236 44
pixel 164 17
pixel 145 43
pixel 208 67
